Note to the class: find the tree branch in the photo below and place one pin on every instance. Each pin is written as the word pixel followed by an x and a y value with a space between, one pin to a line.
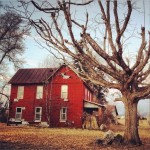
pixel 127 17
pixel 46 10
pixel 107 23
pixel 4 95
pixel 140 51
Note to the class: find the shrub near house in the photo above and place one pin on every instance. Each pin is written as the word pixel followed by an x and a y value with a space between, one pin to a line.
pixel 57 97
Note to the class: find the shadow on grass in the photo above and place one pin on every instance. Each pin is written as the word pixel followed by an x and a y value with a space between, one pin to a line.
pixel 13 145
pixel 16 145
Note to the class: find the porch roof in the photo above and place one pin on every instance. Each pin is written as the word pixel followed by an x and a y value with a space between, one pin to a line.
pixel 89 104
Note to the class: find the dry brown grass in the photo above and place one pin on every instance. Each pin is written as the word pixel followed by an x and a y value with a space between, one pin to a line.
pixel 25 137
pixel 142 123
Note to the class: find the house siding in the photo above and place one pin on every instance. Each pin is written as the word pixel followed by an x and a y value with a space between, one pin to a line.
pixel 29 102
pixel 74 104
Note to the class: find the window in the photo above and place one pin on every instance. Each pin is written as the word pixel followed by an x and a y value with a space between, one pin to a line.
pixel 39 92
pixel 63 114
pixel 64 92
pixel 90 96
pixel 18 115
pixel 38 113
pixel 86 94
pixel 20 92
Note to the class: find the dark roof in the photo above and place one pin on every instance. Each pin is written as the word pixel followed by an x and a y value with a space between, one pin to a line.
pixel 31 76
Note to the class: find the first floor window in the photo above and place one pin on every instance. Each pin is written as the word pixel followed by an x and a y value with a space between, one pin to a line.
pixel 38 113
pixel 18 115
pixel 20 92
pixel 63 114
pixel 39 92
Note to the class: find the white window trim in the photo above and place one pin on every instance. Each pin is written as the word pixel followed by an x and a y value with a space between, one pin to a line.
pixel 65 99
pixel 35 120
pixel 20 92
pixel 61 113
pixel 16 119
pixel 39 94
pixel 62 97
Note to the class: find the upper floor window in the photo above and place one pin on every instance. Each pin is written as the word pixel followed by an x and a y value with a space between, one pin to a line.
pixel 63 114
pixel 86 94
pixel 64 92
pixel 38 113
pixel 20 92
pixel 90 97
pixel 39 92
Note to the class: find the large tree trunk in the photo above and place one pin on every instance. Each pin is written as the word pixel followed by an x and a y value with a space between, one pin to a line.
pixel 131 135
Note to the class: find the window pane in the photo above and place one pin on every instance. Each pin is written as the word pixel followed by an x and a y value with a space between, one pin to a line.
pixel 64 88
pixel 38 113
pixel 64 91
pixel 39 92
pixel 63 114
pixel 20 92
pixel 86 93
pixel 18 115
pixel 38 110
pixel 64 95
pixel 18 109
pixel 64 110
pixel 38 117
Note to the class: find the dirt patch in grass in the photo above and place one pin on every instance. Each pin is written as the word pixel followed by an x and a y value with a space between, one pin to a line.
pixel 26 137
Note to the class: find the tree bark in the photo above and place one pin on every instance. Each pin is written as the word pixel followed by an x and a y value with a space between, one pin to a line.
pixel 131 135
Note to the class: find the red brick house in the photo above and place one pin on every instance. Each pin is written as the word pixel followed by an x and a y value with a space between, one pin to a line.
pixel 57 97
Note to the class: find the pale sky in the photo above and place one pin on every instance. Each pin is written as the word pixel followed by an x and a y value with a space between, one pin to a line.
pixel 34 54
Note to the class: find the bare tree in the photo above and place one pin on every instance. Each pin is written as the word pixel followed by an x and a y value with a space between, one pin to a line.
pixel 11 36
pixel 12 33
pixel 80 44
pixel 50 62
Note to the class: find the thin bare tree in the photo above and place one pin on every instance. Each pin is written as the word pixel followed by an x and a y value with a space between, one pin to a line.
pixel 50 62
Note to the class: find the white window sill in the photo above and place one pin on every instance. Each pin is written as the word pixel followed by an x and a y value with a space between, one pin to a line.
pixel 18 120
pixel 62 120
pixel 37 120
pixel 66 100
